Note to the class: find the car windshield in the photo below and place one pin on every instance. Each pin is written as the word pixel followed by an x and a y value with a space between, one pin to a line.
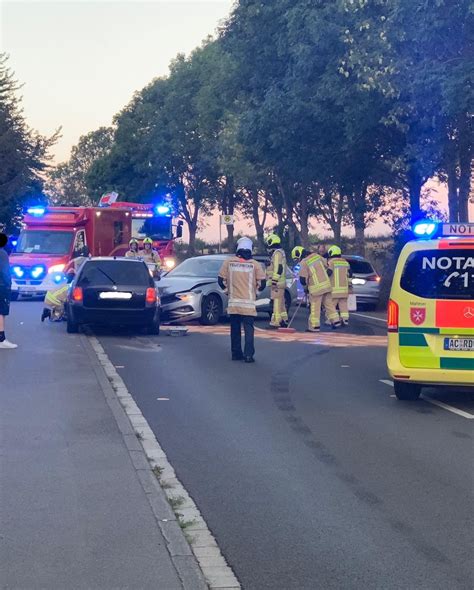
pixel 360 266
pixel 198 267
pixel 158 228
pixel 438 274
pixel 44 242
pixel 113 272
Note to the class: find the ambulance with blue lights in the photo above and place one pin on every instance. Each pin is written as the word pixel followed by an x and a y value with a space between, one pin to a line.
pixel 431 310
pixel 51 237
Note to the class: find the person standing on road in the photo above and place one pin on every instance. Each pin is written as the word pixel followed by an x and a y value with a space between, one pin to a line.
pixel 133 251
pixel 5 291
pixel 151 257
pixel 276 280
pixel 241 276
pixel 339 272
pixel 315 280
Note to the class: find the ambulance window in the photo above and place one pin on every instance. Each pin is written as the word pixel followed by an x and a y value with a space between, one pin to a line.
pixel 79 242
pixel 440 274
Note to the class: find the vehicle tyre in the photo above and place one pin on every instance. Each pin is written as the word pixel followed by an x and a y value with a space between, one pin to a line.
pixel 14 296
pixel 72 327
pixel 154 328
pixel 407 391
pixel 211 310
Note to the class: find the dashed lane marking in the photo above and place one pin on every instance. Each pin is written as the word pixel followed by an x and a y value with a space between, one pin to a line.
pixel 436 402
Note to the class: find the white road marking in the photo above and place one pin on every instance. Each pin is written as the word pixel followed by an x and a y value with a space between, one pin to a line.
pixel 436 402
pixel 162 399
pixel 120 366
pixel 457 411
pixel 372 317
pixel 345 366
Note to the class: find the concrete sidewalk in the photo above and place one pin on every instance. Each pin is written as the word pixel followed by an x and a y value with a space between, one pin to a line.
pixel 79 505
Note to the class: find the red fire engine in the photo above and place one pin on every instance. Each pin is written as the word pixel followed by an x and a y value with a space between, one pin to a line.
pixel 154 221
pixel 52 236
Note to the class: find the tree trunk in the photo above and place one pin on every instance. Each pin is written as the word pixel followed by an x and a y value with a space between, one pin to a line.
pixel 415 182
pixel 359 227
pixel 465 170
pixel 357 206
pixel 336 227
pixel 304 222
pixel 229 209
pixel 192 228
pixel 259 225
pixel 453 197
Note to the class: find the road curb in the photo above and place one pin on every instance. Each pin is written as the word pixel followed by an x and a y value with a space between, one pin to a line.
pixel 195 555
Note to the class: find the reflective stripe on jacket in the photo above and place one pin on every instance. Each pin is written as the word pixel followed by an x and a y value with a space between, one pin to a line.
pixel 339 277
pixel 278 259
pixel 314 271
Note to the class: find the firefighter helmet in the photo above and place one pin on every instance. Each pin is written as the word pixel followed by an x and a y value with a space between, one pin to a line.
pixel 148 241
pixel 273 240
pixel 334 251
pixel 133 241
pixel 297 253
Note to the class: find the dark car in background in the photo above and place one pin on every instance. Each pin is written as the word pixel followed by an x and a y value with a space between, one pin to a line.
pixel 113 291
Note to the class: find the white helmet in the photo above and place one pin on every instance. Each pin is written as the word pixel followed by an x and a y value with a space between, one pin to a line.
pixel 244 244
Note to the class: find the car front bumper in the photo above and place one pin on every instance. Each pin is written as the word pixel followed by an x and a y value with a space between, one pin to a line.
pixel 174 309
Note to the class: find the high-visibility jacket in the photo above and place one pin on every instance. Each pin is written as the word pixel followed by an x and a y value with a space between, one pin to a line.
pixel 276 271
pixel 313 270
pixel 133 254
pixel 241 278
pixel 151 257
pixel 339 277
pixel 55 298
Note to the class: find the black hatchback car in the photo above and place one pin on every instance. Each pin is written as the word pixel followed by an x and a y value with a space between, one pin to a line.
pixel 113 291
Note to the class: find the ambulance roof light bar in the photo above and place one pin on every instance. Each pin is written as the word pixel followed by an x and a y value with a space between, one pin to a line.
pixel 425 229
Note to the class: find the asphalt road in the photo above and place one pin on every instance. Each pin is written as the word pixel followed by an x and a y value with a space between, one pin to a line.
pixel 309 473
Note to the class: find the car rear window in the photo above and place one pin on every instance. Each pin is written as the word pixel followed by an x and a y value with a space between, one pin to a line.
pixel 362 267
pixel 103 272
pixel 440 274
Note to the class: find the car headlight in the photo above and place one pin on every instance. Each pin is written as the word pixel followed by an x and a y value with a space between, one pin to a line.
pixel 358 281
pixel 184 296
pixel 56 268
pixel 170 263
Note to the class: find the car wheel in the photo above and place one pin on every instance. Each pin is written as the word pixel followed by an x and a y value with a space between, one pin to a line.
pixel 14 296
pixel 154 328
pixel 407 391
pixel 72 327
pixel 211 310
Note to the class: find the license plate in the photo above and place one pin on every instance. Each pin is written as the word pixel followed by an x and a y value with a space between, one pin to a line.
pixel 114 295
pixel 27 290
pixel 459 344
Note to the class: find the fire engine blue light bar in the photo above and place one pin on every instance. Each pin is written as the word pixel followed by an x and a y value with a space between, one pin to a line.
pixel 162 209
pixel 36 211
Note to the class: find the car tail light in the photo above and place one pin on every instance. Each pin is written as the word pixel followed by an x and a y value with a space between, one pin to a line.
pixel 77 294
pixel 392 316
pixel 374 278
pixel 150 295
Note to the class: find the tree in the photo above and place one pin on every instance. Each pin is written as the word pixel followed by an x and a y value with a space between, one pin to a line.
pixel 23 152
pixel 68 181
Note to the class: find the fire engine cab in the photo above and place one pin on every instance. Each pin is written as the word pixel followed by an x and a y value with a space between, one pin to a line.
pixel 53 236
pixel 154 221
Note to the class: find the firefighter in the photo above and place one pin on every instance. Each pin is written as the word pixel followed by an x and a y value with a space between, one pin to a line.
pixel 133 251
pixel 315 280
pixel 55 299
pixel 276 280
pixel 240 276
pixel 151 257
pixel 339 272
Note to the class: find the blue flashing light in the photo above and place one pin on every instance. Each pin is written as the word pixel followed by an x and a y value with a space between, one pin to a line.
pixel 58 278
pixel 162 209
pixel 14 243
pixel 18 271
pixel 425 229
pixel 37 271
pixel 36 211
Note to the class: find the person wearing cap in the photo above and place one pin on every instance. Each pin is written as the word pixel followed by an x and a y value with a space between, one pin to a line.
pixel 315 281
pixel 5 292
pixel 241 276
pixel 276 280
pixel 339 273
